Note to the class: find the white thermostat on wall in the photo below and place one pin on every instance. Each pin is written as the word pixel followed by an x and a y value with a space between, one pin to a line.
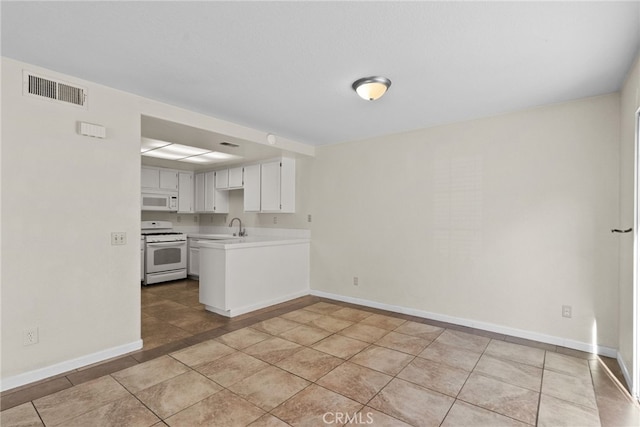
pixel 95 131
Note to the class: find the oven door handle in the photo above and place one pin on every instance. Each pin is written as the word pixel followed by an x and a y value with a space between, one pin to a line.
pixel 160 244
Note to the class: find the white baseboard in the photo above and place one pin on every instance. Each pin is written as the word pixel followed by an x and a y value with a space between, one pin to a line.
pixel 535 336
pixel 68 365
pixel 253 307
pixel 625 371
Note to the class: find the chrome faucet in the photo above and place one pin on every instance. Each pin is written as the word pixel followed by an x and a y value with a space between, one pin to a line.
pixel 241 232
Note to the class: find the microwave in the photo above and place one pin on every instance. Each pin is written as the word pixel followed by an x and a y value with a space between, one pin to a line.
pixel 162 201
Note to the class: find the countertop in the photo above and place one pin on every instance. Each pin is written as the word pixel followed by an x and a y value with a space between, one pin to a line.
pixel 246 242
pixel 211 236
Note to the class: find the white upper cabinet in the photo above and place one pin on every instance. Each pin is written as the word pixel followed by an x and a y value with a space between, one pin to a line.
pixel 150 178
pixel 229 179
pixel 208 198
pixel 252 188
pixel 209 191
pixel 278 186
pixel 270 187
pixel 185 193
pixel 199 192
pixel 235 177
pixel 222 179
pixel 221 200
pixel 159 178
pixel 168 179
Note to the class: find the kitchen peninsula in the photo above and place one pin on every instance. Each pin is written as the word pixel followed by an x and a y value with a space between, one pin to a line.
pixel 243 274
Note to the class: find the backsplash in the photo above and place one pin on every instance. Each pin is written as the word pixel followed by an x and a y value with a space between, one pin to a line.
pixel 216 224
pixel 257 231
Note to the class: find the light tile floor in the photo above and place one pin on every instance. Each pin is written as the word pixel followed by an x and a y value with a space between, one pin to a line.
pixel 316 362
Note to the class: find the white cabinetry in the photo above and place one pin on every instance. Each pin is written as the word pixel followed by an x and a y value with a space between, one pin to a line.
pixel 185 193
pixel 150 178
pixel 208 198
pixel 199 192
pixel 278 272
pixel 210 191
pixel 222 179
pixel 168 179
pixel 159 178
pixel 193 267
pixel 252 188
pixel 235 177
pixel 269 187
pixel 220 200
pixel 278 186
pixel 229 179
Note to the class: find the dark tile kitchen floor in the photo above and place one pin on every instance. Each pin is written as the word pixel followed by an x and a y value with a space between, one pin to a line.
pixel 313 361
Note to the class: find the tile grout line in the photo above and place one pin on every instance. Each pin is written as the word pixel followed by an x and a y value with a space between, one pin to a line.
pixel 37 412
pixel 465 382
pixel 496 379
pixel 593 388
pixel 544 364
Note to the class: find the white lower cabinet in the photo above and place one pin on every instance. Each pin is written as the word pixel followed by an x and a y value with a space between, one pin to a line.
pixel 277 273
pixel 193 266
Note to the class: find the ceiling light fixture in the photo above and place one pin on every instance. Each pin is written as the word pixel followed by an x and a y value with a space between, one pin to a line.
pixel 371 88
pixel 182 153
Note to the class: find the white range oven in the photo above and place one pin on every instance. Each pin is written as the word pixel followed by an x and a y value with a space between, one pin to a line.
pixel 165 252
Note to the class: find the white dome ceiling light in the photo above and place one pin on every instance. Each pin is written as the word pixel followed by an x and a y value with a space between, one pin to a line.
pixel 371 88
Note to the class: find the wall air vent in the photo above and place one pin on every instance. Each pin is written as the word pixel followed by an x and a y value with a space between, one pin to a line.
pixel 229 144
pixel 54 90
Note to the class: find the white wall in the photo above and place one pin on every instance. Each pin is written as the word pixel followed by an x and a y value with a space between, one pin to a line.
pixel 501 220
pixel 630 102
pixel 62 196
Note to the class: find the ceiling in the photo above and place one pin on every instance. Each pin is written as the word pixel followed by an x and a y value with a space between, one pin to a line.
pixel 163 130
pixel 287 67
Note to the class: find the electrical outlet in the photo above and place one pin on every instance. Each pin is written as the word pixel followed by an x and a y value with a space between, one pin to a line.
pixel 195 218
pixel 309 218
pixel 30 336
pixel 275 219
pixel 179 219
pixel 566 311
pixel 119 238
pixel 355 281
